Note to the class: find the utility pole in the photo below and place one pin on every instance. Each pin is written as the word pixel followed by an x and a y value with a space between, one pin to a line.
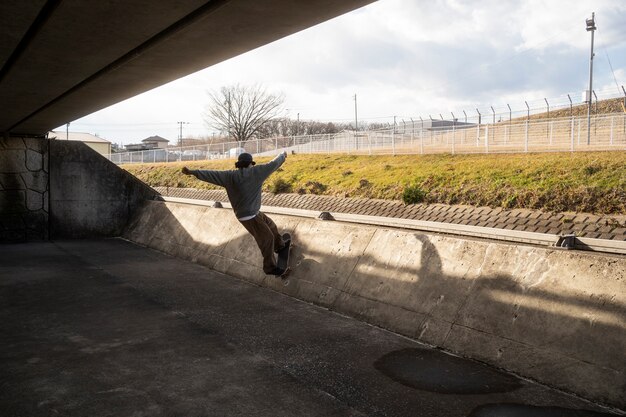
pixel 591 27
pixel 356 123
pixel 67 131
pixel 180 135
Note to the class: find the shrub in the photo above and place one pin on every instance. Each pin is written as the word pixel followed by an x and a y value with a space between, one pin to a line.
pixel 589 170
pixel 280 186
pixel 413 194
pixel 312 187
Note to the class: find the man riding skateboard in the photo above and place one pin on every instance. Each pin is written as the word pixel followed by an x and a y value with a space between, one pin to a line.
pixel 243 186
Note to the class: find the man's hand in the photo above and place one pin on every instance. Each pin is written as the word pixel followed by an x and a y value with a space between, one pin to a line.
pixel 185 171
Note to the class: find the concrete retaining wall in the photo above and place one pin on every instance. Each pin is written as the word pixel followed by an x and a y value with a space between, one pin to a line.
pixel 89 195
pixel 63 189
pixel 555 316
pixel 23 189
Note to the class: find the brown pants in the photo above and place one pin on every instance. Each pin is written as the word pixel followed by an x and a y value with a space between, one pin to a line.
pixel 264 231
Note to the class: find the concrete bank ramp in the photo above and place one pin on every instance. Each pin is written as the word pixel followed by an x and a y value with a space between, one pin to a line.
pixel 555 316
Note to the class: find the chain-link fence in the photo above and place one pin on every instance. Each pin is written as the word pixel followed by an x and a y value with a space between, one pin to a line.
pixel 606 132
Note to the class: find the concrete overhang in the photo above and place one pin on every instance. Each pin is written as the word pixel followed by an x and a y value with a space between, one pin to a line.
pixel 62 60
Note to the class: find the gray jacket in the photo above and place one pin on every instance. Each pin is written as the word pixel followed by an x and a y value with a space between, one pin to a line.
pixel 242 185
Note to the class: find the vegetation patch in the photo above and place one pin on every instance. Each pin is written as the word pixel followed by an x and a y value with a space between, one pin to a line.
pixel 413 194
pixel 279 186
pixel 312 187
pixel 593 182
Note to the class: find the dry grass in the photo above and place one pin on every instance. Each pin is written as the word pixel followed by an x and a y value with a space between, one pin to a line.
pixel 593 182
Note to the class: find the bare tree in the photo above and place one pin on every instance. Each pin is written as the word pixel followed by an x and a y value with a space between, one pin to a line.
pixel 241 111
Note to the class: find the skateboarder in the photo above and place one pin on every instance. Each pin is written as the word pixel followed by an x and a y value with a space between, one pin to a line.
pixel 243 186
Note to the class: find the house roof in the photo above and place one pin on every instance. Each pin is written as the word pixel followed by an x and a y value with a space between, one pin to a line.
pixel 155 139
pixel 78 136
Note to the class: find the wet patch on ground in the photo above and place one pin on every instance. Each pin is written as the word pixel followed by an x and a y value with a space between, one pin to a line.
pixel 521 410
pixel 436 371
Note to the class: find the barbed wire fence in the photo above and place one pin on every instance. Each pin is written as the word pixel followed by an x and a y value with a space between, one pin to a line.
pixel 556 125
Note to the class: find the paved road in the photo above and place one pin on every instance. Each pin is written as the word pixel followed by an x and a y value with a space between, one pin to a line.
pixel 107 328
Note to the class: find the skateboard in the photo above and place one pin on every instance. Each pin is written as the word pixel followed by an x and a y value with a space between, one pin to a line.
pixel 282 261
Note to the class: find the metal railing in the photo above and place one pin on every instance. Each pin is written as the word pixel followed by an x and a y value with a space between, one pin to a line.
pixel 607 132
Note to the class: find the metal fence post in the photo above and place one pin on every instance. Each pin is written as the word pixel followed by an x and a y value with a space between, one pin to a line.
pixel 412 132
pixel 453 137
pixel 526 138
pixel 478 130
pixel 551 125
pixel 393 142
pixel 572 132
pixel 486 138
pixel 611 140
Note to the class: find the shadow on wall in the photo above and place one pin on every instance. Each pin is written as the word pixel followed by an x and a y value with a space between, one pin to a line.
pixel 557 317
pixel 89 195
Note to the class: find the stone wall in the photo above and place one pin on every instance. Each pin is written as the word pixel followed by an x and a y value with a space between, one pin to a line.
pixel 51 189
pixel 24 189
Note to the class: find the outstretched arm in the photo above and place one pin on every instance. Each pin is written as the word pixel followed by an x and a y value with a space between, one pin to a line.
pixel 266 170
pixel 214 177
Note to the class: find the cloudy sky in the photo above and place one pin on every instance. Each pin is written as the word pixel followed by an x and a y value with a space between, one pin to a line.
pixel 402 58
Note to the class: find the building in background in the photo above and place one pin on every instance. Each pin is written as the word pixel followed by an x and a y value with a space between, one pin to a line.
pixel 153 142
pixel 96 143
pixel 156 142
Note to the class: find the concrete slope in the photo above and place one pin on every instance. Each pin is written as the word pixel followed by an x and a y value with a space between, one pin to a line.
pixel 554 316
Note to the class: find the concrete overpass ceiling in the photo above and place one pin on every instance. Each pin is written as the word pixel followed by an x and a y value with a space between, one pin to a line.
pixel 62 60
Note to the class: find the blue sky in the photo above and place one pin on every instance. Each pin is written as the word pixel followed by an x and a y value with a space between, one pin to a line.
pixel 401 58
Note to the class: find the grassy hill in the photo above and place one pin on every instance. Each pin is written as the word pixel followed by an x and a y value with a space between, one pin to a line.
pixel 608 106
pixel 593 182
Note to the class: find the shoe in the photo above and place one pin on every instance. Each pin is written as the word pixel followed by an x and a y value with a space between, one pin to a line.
pixel 277 271
pixel 287 243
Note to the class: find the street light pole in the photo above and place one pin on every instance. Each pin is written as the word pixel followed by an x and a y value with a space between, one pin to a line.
pixel 591 27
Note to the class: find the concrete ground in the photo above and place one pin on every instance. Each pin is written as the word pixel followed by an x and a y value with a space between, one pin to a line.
pixel 108 328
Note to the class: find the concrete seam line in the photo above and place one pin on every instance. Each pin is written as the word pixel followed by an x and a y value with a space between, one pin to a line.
pixel 468 294
pixel 356 264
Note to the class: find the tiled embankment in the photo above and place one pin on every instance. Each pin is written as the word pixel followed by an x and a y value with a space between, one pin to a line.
pixel 582 224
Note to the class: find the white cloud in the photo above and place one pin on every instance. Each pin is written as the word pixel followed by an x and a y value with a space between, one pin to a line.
pixel 401 58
